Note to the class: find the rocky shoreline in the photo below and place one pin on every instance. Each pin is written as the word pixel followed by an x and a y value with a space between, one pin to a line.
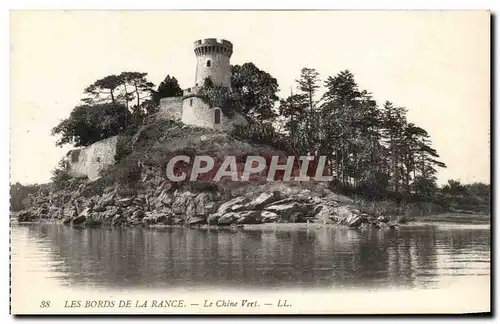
pixel 162 205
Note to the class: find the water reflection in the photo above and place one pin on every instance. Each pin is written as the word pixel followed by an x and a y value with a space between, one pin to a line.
pixel 326 257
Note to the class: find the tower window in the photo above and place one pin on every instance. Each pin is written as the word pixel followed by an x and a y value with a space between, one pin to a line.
pixel 190 102
pixel 217 116
pixel 208 63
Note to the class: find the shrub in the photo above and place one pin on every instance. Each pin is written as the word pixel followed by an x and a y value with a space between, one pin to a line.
pixel 60 176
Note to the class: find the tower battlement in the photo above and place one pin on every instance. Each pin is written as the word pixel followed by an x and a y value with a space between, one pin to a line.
pixel 213 46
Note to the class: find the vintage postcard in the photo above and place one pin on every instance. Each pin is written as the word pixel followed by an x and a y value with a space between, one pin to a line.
pixel 250 162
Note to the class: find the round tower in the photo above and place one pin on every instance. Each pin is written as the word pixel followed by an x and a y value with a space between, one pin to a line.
pixel 213 56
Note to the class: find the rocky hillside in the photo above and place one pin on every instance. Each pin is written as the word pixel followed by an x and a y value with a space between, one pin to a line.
pixel 136 192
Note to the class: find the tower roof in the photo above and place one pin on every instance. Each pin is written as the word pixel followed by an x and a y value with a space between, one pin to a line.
pixel 213 45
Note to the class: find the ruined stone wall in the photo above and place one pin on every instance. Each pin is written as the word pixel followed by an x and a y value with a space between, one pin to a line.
pixel 170 108
pixel 89 161
pixel 196 112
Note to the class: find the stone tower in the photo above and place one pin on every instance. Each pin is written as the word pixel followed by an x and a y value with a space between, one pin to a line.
pixel 212 57
pixel 212 61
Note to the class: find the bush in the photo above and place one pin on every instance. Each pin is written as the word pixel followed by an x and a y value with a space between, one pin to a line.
pixel 257 133
pixel 60 176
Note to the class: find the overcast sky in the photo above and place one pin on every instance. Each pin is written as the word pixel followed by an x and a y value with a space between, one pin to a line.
pixel 436 64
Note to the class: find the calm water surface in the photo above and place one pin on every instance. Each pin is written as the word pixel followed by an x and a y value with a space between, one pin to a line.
pixel 417 257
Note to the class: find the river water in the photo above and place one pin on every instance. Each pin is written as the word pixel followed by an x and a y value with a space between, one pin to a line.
pixel 295 257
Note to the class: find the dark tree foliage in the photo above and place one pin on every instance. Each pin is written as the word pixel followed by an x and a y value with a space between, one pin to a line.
pixel 110 105
pixel 88 124
pixel 254 91
pixel 169 87
pixel 19 195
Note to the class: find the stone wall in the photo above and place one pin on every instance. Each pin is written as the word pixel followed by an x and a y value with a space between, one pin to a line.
pixel 89 161
pixel 196 112
pixel 170 108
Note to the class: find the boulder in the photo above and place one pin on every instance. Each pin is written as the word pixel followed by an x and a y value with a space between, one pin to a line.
pixel 196 220
pixel 117 219
pixel 164 219
pixel 340 214
pixel 85 212
pixel 181 201
pixel 93 220
pixel 354 220
pixel 213 219
pixel 383 219
pixel 26 216
pixel 80 219
pixel 125 202
pixel 69 212
pixel 164 198
pixel 287 209
pixel 228 204
pixel 138 214
pixel 239 207
pixel 269 216
pixel 242 217
pixel 204 204
pixel 264 198
pixel 149 220
pixel 392 224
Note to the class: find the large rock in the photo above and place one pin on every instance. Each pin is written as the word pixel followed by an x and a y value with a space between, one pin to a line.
pixel 125 202
pixel 80 219
pixel 70 212
pixel 165 198
pixel 264 198
pixel 229 204
pixel 213 219
pixel 118 219
pixel 340 214
pixel 287 209
pixel 26 216
pixel 165 219
pixel 242 217
pixel 383 219
pixel 204 204
pixel 196 220
pixel 269 216
pixel 323 213
pixel 181 201
pixel 149 220
pixel 257 203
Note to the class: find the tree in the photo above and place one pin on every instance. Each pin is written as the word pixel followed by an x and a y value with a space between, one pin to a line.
pixel 393 124
pixel 141 87
pixel 19 195
pixel 60 175
pixel 254 91
pixel 308 84
pixel 342 114
pixel 169 87
pixel 88 124
pixel 103 90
